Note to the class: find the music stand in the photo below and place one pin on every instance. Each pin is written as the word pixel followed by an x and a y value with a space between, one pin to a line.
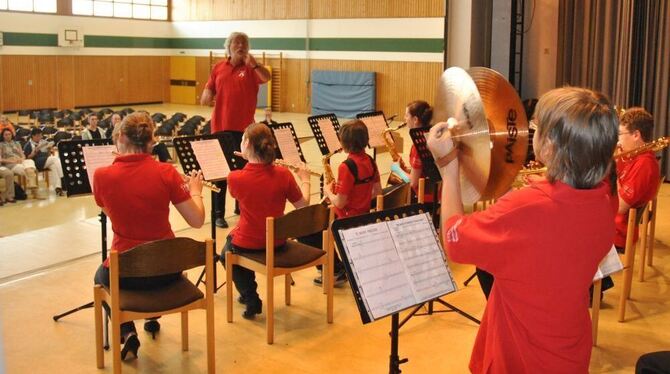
pixel 188 162
pixel 316 130
pixel 289 126
pixel 415 271
pixel 430 170
pixel 76 183
pixel 369 119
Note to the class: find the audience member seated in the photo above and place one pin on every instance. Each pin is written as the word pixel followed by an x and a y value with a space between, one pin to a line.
pixel 12 157
pixel 268 117
pixel 93 131
pixel 7 180
pixel 5 123
pixel 40 151
pixel 114 120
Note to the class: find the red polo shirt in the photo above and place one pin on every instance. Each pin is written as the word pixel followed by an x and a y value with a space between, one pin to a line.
pixel 236 89
pixel 136 192
pixel 638 181
pixel 416 163
pixel 262 191
pixel 543 245
pixel 358 195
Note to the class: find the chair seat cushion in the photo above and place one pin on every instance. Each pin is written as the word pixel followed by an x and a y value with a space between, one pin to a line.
pixel 293 254
pixel 178 293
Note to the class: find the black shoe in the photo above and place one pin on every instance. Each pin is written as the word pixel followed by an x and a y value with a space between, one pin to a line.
pixel 152 326
pixel 242 300
pixel 59 191
pixel 253 308
pixel 339 276
pixel 221 222
pixel 132 345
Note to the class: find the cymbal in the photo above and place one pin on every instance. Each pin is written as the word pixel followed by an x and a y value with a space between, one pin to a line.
pixel 492 133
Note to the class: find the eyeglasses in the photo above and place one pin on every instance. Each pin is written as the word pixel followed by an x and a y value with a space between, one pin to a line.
pixel 623 132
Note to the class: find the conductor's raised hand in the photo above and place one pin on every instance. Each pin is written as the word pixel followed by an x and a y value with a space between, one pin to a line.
pixel 250 61
pixel 439 139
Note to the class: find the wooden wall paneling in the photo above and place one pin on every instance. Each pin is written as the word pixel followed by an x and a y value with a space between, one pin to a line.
pixel 45 82
pixel 2 100
pixel 17 77
pixel 147 79
pixel 99 80
pixel 65 85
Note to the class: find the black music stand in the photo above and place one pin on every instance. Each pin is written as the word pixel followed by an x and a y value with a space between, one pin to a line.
pixel 362 116
pixel 188 161
pixel 430 170
pixel 75 184
pixel 351 266
pixel 316 130
pixel 287 125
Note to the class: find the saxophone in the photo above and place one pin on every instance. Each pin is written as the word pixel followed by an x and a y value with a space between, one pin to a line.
pixel 397 175
pixel 328 176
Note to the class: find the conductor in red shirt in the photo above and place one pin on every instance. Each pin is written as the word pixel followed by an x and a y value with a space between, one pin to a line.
pixel 233 88
pixel 537 319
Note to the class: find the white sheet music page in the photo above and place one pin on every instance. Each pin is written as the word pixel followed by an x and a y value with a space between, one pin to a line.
pixel 424 260
pixel 97 156
pixel 376 125
pixel 609 265
pixel 329 134
pixel 378 269
pixel 211 159
pixel 287 146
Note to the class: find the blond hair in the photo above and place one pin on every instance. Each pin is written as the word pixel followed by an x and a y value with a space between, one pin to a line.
pixel 138 127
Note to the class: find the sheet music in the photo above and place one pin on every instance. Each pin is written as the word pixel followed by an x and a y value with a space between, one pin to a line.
pixel 397 264
pixel 210 156
pixel 609 265
pixel 329 134
pixel 376 125
pixel 287 146
pixel 97 156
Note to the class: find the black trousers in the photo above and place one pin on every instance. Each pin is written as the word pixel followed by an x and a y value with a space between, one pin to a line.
pixel 316 241
pixel 139 283
pixel 485 281
pixel 243 278
pixel 220 200
pixel 653 363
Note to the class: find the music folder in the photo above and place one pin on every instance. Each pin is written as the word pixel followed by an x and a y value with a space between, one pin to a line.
pixel 393 260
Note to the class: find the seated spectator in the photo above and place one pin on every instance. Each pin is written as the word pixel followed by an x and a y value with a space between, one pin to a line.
pixel 93 131
pixel 6 181
pixel 12 157
pixel 268 117
pixel 5 123
pixel 40 151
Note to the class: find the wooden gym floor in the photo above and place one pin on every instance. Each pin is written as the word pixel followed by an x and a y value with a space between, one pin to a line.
pixel 49 251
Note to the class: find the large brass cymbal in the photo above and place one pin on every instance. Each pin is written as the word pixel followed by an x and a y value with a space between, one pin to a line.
pixel 492 131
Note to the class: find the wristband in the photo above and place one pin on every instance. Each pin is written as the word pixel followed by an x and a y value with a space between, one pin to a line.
pixel 200 196
pixel 448 158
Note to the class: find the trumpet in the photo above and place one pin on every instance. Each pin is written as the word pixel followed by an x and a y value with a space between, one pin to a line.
pixel 396 177
pixel 295 168
pixel 654 146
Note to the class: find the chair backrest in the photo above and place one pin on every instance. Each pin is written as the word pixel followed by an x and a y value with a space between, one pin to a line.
pixel 301 222
pixel 162 257
pixel 396 197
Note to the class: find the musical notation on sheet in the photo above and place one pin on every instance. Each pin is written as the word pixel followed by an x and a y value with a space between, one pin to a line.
pixel 96 157
pixel 397 264
pixel 376 126
pixel 286 144
pixel 329 134
pixel 211 159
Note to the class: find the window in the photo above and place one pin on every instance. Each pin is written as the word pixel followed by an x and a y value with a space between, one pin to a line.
pixel 41 6
pixel 140 9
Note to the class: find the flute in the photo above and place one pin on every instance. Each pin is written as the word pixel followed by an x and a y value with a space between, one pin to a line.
pixel 295 168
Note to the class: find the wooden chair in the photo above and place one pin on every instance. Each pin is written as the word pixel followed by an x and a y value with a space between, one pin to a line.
pixel 397 197
pixel 296 256
pixel 640 217
pixel 153 259
pixel 648 251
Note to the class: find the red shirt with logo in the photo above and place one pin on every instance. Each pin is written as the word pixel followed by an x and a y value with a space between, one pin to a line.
pixel 543 245
pixel 358 195
pixel 262 191
pixel 638 183
pixel 136 192
pixel 236 89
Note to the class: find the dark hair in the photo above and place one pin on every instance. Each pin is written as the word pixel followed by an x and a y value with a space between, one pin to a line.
pixel 637 118
pixel 422 110
pixel 354 136
pixel 261 142
pixel 93 115
pixel 580 129
pixel 3 133
pixel 138 127
pixel 35 131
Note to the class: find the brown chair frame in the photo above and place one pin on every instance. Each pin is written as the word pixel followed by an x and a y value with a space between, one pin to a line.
pixel 399 196
pixel 175 255
pixel 291 225
pixel 648 250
